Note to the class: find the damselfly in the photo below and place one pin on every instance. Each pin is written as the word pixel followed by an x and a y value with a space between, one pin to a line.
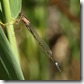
pixel 42 44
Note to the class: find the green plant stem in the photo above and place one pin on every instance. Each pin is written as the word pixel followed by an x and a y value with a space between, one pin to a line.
pixel 10 32
pixel 9 27
pixel 9 66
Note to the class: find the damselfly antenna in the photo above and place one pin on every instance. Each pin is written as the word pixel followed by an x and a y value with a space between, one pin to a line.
pixel 41 43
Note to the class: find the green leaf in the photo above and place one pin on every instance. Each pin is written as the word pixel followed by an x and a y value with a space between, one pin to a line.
pixel 0 5
pixel 3 72
pixel 9 65
pixel 1 13
pixel 15 6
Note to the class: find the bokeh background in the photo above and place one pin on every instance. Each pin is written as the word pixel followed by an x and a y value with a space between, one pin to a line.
pixel 58 24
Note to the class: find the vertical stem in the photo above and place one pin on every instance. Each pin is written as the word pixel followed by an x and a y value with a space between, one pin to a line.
pixel 10 30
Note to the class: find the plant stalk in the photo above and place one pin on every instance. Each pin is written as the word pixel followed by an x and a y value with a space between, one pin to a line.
pixel 9 27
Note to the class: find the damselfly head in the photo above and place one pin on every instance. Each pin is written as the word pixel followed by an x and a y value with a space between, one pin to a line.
pixel 21 14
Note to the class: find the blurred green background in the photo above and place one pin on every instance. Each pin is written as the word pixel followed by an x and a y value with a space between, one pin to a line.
pixel 58 24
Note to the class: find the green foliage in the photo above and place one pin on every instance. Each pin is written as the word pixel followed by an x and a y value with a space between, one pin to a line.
pixel 35 64
pixel 39 14
pixel 75 7
pixel 9 65
pixel 15 6
pixel 9 62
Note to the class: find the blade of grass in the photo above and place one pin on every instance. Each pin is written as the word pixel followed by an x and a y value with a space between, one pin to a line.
pixel 9 28
pixel 8 60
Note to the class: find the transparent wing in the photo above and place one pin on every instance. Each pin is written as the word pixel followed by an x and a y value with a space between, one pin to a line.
pixel 43 45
